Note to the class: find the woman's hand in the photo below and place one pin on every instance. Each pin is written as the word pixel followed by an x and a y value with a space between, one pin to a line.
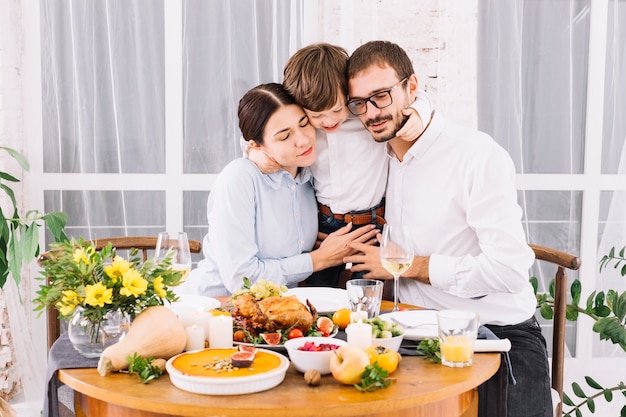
pixel 337 245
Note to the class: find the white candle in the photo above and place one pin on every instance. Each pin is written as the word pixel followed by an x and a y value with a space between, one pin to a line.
pixel 221 333
pixel 359 335
pixel 202 319
pixel 195 338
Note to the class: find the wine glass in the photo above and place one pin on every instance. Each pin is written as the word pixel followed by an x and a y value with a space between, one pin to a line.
pixel 396 254
pixel 177 246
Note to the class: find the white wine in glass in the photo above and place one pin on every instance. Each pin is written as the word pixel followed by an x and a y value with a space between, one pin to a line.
pixel 178 244
pixel 396 255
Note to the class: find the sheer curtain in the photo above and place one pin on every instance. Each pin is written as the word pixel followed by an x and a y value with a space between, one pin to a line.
pixel 532 93
pixel 532 75
pixel 104 86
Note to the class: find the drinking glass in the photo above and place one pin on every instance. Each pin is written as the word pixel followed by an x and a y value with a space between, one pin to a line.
pixel 457 334
pixel 178 245
pixel 396 254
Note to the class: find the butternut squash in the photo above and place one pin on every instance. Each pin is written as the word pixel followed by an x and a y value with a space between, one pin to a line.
pixel 155 332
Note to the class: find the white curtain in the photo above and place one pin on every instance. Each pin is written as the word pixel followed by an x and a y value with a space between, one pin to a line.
pixel 532 85
pixel 104 111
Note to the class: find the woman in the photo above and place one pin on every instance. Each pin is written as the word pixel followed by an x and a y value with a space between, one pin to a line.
pixel 264 226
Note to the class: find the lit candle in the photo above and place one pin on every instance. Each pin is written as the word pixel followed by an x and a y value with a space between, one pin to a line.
pixel 359 335
pixel 221 334
pixel 195 338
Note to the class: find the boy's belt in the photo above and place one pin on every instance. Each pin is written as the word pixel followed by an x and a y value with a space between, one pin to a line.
pixel 357 218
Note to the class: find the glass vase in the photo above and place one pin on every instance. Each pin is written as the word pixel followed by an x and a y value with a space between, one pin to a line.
pixel 90 337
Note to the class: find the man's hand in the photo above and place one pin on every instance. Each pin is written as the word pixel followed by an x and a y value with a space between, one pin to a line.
pixel 337 245
pixel 368 259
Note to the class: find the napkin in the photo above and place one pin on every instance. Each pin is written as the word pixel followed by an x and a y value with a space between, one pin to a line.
pixel 488 345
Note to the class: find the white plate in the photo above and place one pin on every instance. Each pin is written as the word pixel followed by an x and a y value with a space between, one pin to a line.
pixel 426 318
pixel 188 303
pixel 229 386
pixel 324 299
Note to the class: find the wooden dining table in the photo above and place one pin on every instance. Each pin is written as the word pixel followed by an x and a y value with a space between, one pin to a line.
pixel 419 388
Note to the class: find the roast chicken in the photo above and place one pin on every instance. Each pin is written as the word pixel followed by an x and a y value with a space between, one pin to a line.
pixel 273 313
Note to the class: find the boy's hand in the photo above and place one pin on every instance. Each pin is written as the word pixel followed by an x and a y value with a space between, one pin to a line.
pixel 263 161
pixel 413 126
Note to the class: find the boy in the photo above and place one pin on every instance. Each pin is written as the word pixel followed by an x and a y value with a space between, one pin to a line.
pixel 350 173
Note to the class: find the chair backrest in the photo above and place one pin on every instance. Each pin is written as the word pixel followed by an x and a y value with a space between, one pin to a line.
pixel 563 261
pixel 142 243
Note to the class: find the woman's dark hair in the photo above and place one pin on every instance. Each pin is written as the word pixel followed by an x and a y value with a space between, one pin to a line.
pixel 257 106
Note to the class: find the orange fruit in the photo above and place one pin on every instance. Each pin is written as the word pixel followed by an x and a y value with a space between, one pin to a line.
pixel 341 318
pixel 219 312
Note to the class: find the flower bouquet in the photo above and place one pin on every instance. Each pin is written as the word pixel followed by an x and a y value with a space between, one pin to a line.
pixel 100 291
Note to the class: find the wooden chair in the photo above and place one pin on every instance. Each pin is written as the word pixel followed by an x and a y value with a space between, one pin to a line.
pixel 142 243
pixel 563 261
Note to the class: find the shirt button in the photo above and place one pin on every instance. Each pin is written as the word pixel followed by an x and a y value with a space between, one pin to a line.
pixel 293 187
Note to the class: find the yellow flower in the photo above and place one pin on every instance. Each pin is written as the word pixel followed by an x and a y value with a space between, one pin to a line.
pixel 98 295
pixel 81 256
pixel 70 298
pixel 159 288
pixel 133 283
pixel 117 269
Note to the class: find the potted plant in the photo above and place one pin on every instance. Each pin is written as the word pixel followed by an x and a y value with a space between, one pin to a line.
pixel 100 291
pixel 608 310
pixel 19 235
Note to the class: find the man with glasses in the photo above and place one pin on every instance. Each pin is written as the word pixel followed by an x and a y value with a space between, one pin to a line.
pixel 455 190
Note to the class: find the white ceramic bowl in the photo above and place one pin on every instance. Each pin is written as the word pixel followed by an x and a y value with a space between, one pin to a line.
pixel 392 343
pixel 304 360
pixel 229 386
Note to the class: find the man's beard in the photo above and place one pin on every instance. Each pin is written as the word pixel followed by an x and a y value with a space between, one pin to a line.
pixel 382 136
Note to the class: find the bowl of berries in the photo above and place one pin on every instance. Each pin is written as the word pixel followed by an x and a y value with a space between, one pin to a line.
pixel 313 352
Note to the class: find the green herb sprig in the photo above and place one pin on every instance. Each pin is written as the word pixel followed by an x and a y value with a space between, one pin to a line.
pixel 143 368
pixel 373 378
pixel 429 348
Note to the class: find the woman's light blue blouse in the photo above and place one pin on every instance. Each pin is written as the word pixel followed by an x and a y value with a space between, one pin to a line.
pixel 261 226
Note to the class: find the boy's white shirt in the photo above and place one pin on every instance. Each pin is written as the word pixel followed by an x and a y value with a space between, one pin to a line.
pixel 350 172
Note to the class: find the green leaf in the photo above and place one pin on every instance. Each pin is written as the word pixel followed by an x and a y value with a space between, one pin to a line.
pixel 9 193
pixel 8 177
pixel 579 413
pixel 571 313
pixel 21 159
pixel 14 254
pixel 551 288
pixel 592 383
pixel 590 301
pixel 567 400
pixel 535 284
pixel 578 391
pixel 29 241
pixel 608 395
pixel 546 312
pixel 591 405
pixel 576 290
pixel 623 411
pixel 56 222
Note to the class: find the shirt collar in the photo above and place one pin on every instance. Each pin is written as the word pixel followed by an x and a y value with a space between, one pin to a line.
pixel 433 130
pixel 275 179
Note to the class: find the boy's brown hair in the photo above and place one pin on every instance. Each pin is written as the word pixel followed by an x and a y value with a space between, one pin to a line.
pixel 316 75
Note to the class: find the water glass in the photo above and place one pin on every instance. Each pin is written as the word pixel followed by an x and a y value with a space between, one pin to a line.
pixel 457 333
pixel 365 295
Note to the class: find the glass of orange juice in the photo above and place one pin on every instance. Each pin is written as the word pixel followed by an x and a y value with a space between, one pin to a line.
pixel 457 333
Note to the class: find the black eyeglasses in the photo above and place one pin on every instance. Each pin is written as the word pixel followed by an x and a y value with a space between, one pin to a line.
pixel 382 99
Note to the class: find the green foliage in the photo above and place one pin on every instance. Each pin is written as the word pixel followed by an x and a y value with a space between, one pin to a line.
pixel 143 368
pixel 429 348
pixel 19 235
pixel 373 378
pixel 609 314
